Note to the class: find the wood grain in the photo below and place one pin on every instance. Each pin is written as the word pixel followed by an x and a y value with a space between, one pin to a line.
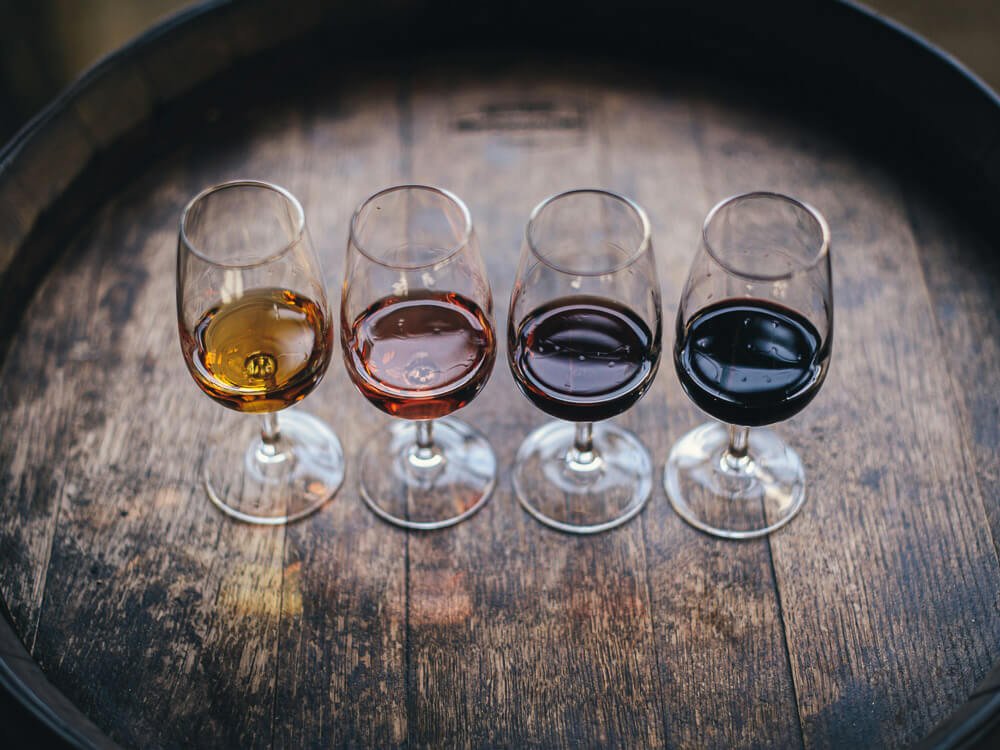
pixel 863 622
pixel 893 535
pixel 342 640
pixel 714 602
pixel 520 635
pixel 962 269
pixel 144 570
pixel 40 401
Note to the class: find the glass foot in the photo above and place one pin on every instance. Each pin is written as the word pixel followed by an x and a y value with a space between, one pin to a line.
pixel 734 499
pixel 605 489
pixel 430 488
pixel 273 486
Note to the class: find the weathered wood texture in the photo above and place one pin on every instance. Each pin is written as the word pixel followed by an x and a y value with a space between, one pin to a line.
pixel 898 535
pixel 715 603
pixel 863 622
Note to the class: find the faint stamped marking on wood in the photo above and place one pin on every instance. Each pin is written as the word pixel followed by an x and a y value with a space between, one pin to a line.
pixel 523 117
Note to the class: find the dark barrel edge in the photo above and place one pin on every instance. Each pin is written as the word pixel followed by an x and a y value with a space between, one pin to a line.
pixel 975 724
pixel 64 99
pixel 32 708
pixel 927 46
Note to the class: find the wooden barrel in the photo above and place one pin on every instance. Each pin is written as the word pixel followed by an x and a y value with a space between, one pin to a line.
pixel 141 616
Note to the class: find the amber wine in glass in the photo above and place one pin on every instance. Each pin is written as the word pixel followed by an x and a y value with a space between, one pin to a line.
pixel 256 334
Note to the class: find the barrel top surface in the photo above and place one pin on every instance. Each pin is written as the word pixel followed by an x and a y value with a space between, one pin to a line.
pixel 866 621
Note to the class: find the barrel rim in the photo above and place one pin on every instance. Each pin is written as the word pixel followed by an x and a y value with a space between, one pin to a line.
pixel 925 45
pixel 64 100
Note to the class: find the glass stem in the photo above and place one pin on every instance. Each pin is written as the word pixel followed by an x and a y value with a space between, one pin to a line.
pixel 425 455
pixel 739 437
pixel 736 457
pixel 270 432
pixel 425 439
pixel 582 456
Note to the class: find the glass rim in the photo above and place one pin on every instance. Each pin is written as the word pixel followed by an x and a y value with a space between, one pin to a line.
pixel 300 218
pixel 449 253
pixel 823 252
pixel 642 247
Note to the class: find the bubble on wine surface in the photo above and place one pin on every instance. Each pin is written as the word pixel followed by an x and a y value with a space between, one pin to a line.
pixel 260 366
pixel 422 371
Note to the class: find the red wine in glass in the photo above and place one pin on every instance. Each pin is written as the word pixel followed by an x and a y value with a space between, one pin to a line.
pixel 583 343
pixel 583 358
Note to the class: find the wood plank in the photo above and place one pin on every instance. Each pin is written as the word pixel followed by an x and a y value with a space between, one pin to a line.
pixel 889 579
pixel 39 401
pixel 962 271
pixel 714 602
pixel 160 616
pixel 341 647
pixel 520 635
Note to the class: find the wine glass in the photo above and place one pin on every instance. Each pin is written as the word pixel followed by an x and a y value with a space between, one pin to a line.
pixel 256 334
pixel 416 322
pixel 754 332
pixel 584 345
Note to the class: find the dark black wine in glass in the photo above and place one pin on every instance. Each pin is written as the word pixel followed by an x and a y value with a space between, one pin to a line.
pixel 754 331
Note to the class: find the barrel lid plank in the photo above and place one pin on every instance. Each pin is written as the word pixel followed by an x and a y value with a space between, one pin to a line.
pixel 962 271
pixel 519 634
pixel 40 405
pixel 143 571
pixel 893 542
pixel 342 637
pixel 714 602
